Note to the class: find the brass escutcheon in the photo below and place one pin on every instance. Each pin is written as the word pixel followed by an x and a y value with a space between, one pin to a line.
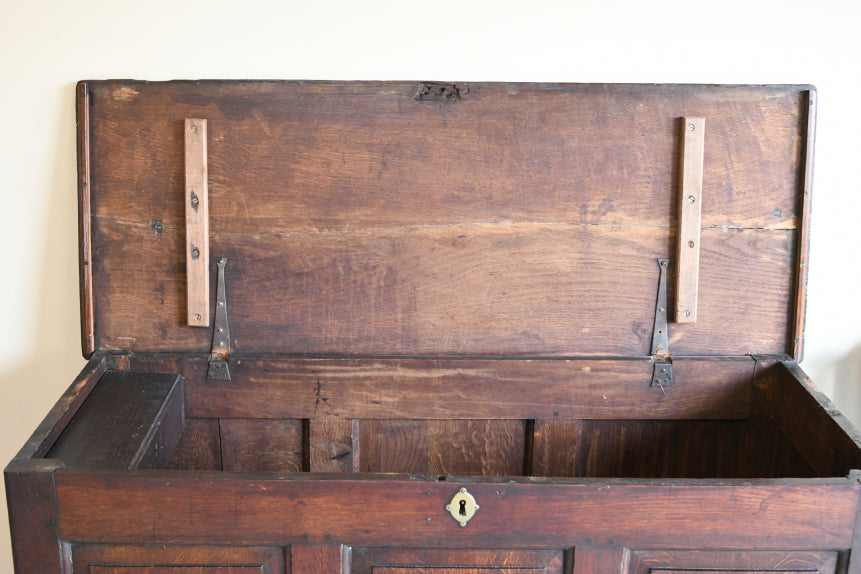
pixel 462 507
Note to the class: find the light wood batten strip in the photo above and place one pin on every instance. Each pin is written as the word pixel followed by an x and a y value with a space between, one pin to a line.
pixel 196 223
pixel 690 202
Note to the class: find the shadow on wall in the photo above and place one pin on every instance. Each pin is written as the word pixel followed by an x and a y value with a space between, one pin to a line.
pixel 847 385
pixel 30 387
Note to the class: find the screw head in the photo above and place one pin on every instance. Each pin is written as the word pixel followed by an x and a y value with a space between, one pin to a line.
pixel 691 198
pixel 687 313
pixel 691 127
pixel 197 316
pixel 690 243
pixel 193 127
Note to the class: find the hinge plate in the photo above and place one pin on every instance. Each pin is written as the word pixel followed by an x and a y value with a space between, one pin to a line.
pixel 219 369
pixel 662 373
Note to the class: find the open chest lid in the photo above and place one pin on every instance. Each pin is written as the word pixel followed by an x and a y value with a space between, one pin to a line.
pixel 469 219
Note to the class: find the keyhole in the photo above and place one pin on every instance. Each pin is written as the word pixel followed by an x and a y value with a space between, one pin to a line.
pixel 462 510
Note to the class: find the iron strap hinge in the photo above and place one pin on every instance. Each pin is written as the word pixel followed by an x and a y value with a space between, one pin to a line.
pixel 219 368
pixel 662 373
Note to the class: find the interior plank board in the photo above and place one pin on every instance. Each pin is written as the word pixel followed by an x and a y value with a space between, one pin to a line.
pixel 555 445
pixel 199 447
pixel 366 154
pixel 261 445
pixel 445 447
pixel 333 446
pixel 502 289
pixel 489 389
pixel 121 421
pixel 660 449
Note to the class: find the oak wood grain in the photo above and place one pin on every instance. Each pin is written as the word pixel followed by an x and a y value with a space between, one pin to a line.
pixel 261 445
pixel 690 218
pixel 645 561
pixel 199 447
pixel 187 559
pixel 196 222
pixel 33 516
pixel 320 559
pixel 334 445
pixel 459 447
pixel 468 388
pixel 130 420
pixel 415 560
pixel 220 508
pixel 809 137
pixel 85 213
pixel 493 289
pixel 368 223
pixel 601 560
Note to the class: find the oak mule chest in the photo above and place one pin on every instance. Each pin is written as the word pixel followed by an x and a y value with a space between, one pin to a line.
pixel 426 328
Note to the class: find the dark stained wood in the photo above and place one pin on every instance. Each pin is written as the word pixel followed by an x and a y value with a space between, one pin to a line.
pixel 175 570
pixel 656 449
pixel 85 210
pixel 199 447
pixel 130 420
pixel 459 447
pixel 645 561
pixel 65 408
pixel 555 445
pixel 821 434
pixel 358 153
pixel 368 223
pixel 334 445
pixel 261 445
pixel 640 449
pixel 320 559
pixel 435 561
pixel 446 389
pixel 225 509
pixel 32 504
pixel 603 560
pixel 804 227
pixel 142 559
pixel 500 289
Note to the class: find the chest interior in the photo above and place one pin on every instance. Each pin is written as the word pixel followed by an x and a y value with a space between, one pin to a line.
pixel 450 279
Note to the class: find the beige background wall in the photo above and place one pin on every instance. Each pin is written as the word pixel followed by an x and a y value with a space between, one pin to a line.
pixel 45 46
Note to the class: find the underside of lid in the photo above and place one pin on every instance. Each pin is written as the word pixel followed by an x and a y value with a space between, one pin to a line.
pixel 469 219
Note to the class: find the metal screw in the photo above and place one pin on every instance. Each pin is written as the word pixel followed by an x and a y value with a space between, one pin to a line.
pixel 661 309
pixel 221 343
pixel 690 243
pixel 221 303
pixel 220 330
pixel 195 253
pixel 687 313
pixel 197 316
pixel 691 127
pixel 194 200
pixel 691 198
pixel 194 128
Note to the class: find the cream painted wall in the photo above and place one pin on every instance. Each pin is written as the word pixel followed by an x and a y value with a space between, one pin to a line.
pixel 45 46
